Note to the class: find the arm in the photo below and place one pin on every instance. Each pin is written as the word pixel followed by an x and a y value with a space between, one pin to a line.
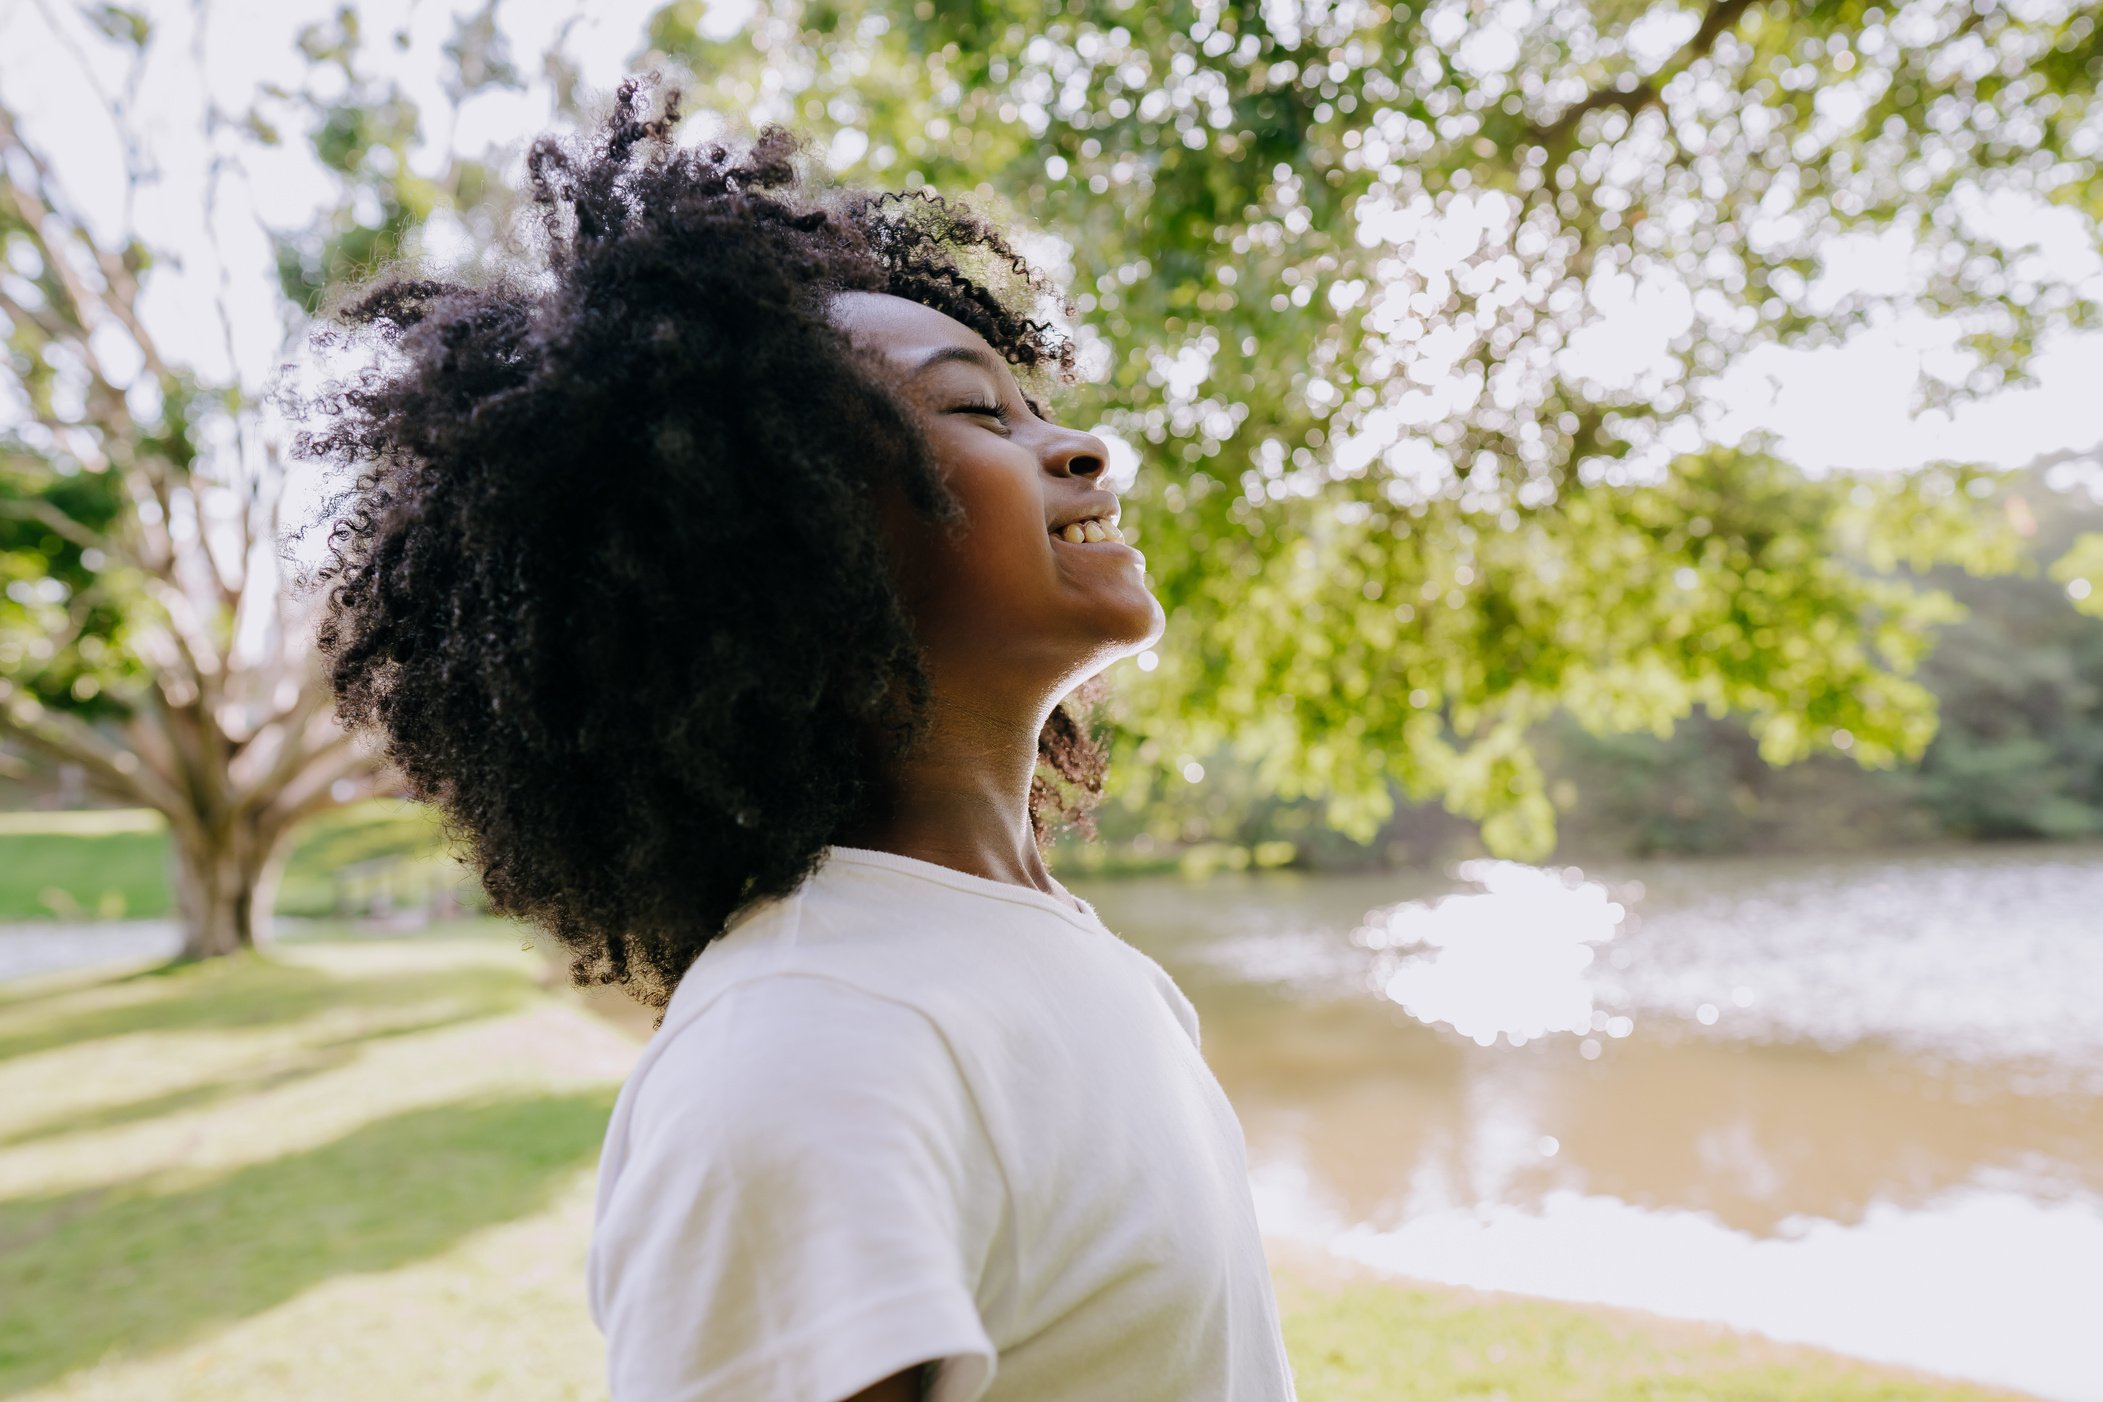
pixel 804 1206
pixel 899 1387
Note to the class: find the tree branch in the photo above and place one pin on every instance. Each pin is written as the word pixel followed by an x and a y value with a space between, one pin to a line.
pixel 77 610
pixel 23 314
pixel 297 750
pixel 36 210
pixel 147 728
pixel 1721 17
pixel 190 634
pixel 313 791
pixel 56 521
pixel 226 594
pixel 68 737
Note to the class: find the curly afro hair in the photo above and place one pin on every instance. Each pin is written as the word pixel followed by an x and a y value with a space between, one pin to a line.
pixel 607 580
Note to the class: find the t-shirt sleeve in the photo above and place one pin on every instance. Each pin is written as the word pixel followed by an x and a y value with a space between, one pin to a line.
pixel 805 1207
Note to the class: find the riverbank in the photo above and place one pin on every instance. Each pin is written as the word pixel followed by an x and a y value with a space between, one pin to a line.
pixel 1359 1336
pixel 363 1167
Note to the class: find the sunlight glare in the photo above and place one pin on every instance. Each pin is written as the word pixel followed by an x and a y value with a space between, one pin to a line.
pixel 1509 959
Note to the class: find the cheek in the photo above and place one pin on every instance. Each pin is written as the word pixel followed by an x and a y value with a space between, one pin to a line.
pixel 1004 542
pixel 1004 557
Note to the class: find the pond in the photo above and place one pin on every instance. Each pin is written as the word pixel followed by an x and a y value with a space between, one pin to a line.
pixel 1853 1101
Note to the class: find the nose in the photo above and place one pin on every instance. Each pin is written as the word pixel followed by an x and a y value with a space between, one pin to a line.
pixel 1078 454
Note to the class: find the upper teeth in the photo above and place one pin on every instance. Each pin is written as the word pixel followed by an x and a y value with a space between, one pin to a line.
pixel 1094 528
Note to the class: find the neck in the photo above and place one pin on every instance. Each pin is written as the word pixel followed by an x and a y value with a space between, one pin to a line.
pixel 960 798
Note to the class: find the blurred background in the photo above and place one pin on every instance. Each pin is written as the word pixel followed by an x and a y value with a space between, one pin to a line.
pixel 1622 782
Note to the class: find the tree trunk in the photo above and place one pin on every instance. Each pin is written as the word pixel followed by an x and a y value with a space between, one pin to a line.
pixel 225 887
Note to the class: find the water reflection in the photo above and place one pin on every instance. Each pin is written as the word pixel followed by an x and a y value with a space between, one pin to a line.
pixel 1507 959
pixel 1753 1136
pixel 1857 1102
pixel 1932 1287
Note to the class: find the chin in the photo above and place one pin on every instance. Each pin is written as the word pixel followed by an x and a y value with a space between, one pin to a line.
pixel 1136 628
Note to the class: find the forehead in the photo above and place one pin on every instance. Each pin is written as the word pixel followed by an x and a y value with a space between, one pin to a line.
pixel 903 329
pixel 913 337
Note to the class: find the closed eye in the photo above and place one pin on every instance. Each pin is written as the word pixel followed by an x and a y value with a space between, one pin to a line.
pixel 996 410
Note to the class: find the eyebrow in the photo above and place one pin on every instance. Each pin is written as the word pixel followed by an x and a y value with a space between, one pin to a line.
pixel 972 355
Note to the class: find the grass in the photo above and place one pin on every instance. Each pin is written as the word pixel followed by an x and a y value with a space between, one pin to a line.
pixel 354 1170
pixel 1354 1337
pixel 112 864
pixel 108 870
pixel 363 1168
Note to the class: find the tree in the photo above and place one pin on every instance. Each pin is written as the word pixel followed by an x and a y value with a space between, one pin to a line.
pixel 127 590
pixel 1342 271
pixel 146 630
pixel 1344 266
pixel 2020 752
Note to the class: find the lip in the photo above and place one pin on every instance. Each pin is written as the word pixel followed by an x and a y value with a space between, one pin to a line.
pixel 1100 507
pixel 1132 550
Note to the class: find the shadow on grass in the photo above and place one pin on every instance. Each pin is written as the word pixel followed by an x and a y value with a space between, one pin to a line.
pixel 152 1107
pixel 132 1271
pixel 256 991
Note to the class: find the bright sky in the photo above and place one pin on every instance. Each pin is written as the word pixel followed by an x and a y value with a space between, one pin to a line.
pixel 1848 408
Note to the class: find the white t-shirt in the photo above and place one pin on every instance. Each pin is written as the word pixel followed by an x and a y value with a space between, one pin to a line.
pixel 910 1113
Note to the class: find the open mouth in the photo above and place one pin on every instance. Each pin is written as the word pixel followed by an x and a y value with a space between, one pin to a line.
pixel 1093 531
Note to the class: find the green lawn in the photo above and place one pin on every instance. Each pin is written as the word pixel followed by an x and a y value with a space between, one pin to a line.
pixel 113 863
pixel 362 1169
pixel 1355 1338
pixel 95 864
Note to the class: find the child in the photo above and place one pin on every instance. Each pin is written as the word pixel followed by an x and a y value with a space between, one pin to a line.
pixel 724 588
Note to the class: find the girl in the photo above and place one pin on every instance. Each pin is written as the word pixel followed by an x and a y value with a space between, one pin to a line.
pixel 727 590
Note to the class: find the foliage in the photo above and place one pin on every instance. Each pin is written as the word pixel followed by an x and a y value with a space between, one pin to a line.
pixel 63 603
pixel 1349 277
pixel 2080 571
pixel 361 134
pixel 2020 753
pixel 1343 271
pixel 2016 681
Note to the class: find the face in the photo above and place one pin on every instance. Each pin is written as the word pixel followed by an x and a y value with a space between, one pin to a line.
pixel 1007 605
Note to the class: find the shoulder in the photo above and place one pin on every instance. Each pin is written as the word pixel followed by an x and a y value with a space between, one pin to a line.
pixel 1164 987
pixel 791 1044
pixel 1186 1012
pixel 804 1102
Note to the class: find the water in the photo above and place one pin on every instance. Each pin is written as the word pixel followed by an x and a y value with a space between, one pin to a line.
pixel 1856 1101
pixel 47 946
